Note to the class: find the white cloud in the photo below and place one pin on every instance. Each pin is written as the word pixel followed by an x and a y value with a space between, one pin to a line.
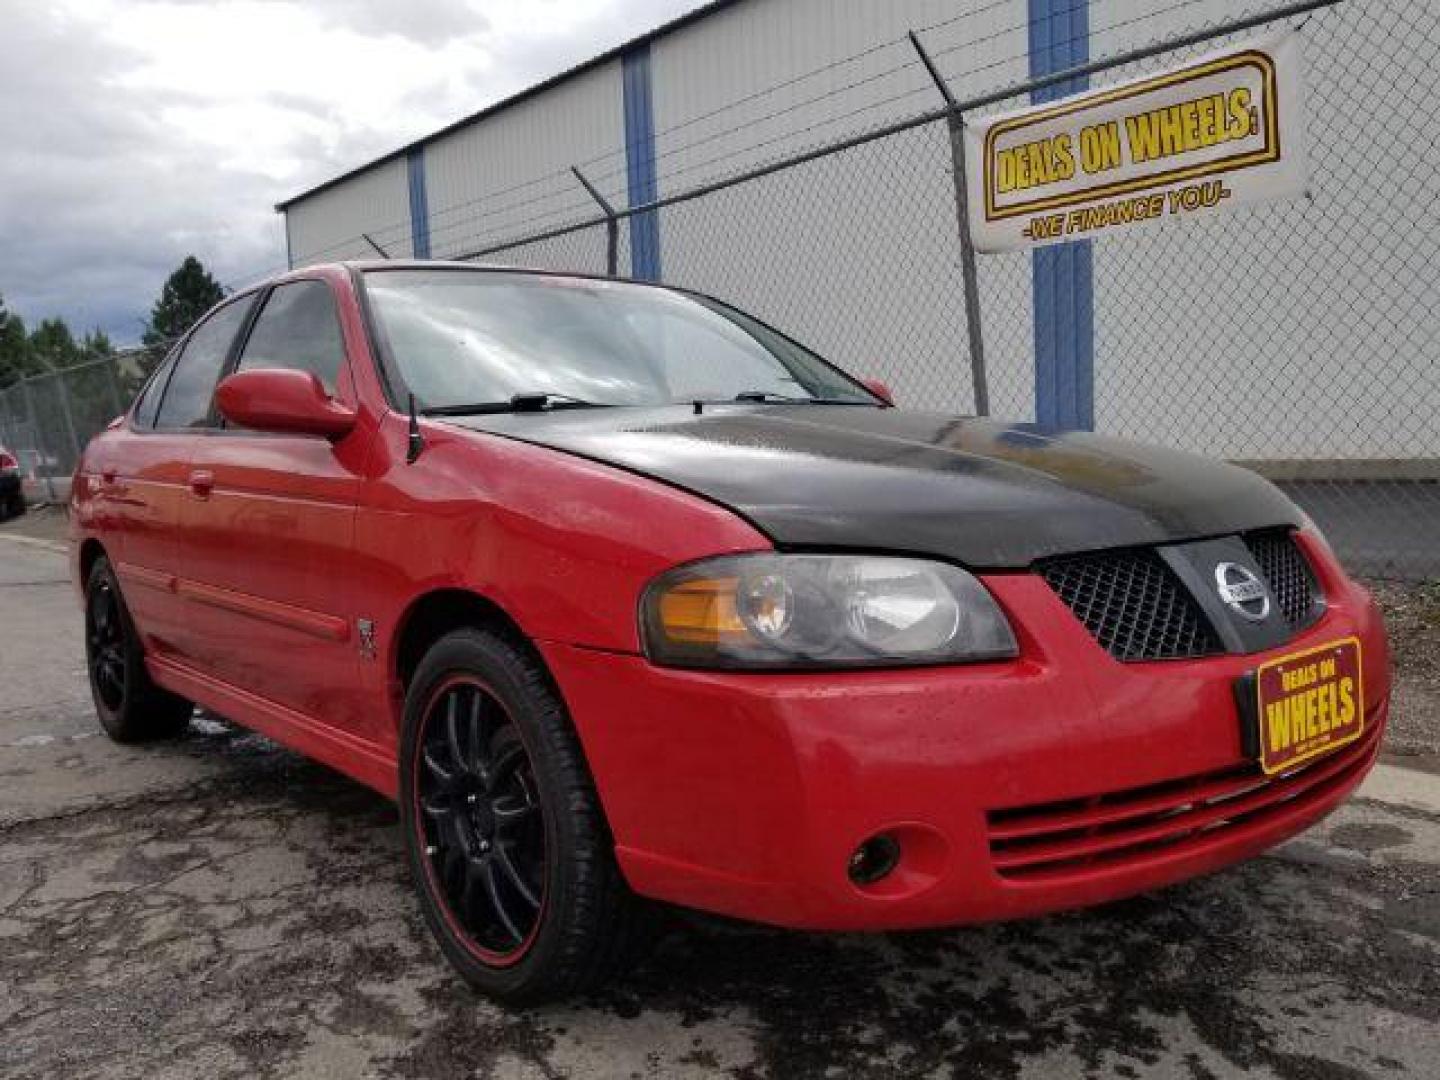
pixel 136 132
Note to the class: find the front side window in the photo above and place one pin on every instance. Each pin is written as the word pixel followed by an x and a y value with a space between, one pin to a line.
pixel 480 337
pixel 197 369
pixel 297 329
pixel 149 403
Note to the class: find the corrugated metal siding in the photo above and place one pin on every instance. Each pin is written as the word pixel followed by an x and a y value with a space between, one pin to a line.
pixel 1200 341
pixel 510 173
pixel 749 48
pixel 327 226
pixel 856 254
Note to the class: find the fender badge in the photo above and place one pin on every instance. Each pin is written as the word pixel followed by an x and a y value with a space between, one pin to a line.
pixel 366 629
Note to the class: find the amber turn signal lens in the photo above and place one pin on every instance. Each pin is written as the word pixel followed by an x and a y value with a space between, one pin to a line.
pixel 702 612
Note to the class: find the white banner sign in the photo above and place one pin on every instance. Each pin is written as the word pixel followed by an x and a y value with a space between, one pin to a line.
pixel 1223 130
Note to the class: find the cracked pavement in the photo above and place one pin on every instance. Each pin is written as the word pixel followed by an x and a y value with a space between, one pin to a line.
pixel 218 906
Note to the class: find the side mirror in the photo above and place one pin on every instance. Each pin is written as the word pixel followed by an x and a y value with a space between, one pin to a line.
pixel 291 402
pixel 880 390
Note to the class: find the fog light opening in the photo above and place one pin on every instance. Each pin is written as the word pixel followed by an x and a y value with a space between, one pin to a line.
pixel 874 860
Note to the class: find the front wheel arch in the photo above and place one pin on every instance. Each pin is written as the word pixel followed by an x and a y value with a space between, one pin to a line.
pixel 432 615
pixel 91 551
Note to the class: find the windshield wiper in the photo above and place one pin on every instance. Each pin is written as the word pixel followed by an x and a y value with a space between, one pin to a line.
pixel 771 395
pixel 529 401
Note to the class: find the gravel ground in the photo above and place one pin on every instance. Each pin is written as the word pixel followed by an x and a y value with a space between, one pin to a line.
pixel 218 906
pixel 1412 617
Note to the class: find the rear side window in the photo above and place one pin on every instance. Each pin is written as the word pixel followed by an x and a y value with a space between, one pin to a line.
pixel 297 329
pixel 197 370
pixel 150 396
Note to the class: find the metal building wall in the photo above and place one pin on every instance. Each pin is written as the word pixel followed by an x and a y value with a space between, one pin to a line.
pixel 855 254
pixel 509 172
pixel 1252 366
pixel 327 225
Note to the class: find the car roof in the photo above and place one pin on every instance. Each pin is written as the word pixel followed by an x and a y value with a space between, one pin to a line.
pixel 347 266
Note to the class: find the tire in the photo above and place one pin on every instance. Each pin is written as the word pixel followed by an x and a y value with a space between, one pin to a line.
pixel 504 833
pixel 13 505
pixel 130 706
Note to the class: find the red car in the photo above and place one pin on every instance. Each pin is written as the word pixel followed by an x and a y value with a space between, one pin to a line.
pixel 623 594
pixel 12 494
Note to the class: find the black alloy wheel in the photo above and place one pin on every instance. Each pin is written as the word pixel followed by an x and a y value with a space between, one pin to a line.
pixel 131 708
pixel 482 827
pixel 105 645
pixel 507 843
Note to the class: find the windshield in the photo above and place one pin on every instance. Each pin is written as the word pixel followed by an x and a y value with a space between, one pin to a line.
pixel 462 337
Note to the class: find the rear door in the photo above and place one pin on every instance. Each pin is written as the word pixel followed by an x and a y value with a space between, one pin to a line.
pixel 144 487
pixel 268 523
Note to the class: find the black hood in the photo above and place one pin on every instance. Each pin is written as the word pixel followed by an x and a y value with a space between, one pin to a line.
pixel 981 493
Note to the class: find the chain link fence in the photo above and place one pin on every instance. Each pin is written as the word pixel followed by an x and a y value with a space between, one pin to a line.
pixel 1296 338
pixel 46 420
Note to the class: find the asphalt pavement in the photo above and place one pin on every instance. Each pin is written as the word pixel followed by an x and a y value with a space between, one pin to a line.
pixel 220 907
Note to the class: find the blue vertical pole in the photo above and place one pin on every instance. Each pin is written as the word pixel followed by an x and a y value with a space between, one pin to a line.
pixel 1062 275
pixel 640 163
pixel 419 204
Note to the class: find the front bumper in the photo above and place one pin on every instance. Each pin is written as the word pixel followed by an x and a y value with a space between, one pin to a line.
pixel 745 794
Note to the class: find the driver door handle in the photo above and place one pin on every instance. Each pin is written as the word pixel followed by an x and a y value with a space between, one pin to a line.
pixel 201 482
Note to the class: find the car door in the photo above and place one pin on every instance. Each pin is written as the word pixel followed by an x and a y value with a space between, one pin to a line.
pixel 268 526
pixel 144 483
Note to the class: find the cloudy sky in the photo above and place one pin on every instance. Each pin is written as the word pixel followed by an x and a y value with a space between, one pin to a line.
pixel 133 133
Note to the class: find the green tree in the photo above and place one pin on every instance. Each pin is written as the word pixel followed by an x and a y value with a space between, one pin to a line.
pixel 15 362
pixel 97 345
pixel 53 347
pixel 188 293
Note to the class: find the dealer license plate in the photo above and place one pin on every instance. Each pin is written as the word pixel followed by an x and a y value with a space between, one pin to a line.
pixel 1309 703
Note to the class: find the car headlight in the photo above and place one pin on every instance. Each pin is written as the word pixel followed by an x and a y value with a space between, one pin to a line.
pixel 820 611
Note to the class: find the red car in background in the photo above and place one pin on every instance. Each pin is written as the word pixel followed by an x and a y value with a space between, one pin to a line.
pixel 12 492
pixel 623 594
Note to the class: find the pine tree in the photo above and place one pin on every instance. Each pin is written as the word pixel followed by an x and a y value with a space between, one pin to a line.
pixel 188 293
pixel 53 347
pixel 14 346
pixel 96 345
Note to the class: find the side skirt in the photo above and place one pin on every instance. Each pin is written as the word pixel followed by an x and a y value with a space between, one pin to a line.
pixel 357 758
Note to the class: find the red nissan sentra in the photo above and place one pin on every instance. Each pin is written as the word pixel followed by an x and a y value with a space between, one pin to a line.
pixel 624 594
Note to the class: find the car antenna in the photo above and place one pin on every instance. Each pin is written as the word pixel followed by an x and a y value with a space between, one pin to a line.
pixel 417 441
pixel 379 250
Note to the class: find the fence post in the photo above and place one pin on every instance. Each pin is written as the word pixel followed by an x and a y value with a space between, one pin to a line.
pixel 69 418
pixel 112 379
pixel 955 120
pixel 612 225
pixel 35 437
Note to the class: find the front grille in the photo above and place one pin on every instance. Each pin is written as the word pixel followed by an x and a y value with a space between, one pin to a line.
pixel 1055 841
pixel 1133 604
pixel 1286 571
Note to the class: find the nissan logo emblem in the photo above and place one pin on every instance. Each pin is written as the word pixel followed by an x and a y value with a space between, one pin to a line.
pixel 1242 591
